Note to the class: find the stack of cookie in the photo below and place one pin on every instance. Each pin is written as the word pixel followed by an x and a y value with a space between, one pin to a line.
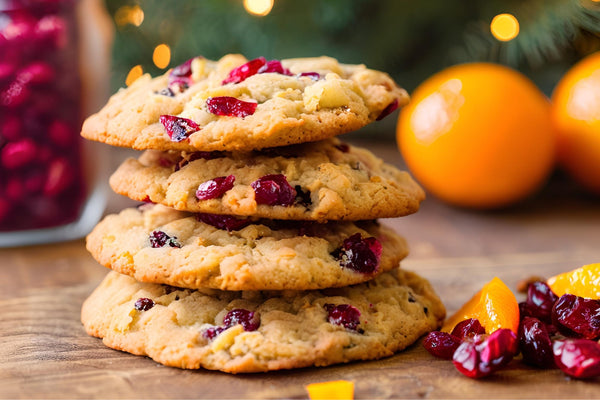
pixel 257 246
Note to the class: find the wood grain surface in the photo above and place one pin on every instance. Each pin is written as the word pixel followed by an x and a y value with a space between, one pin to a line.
pixel 45 353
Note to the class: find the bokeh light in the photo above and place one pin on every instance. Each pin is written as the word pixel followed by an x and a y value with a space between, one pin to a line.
pixel 161 57
pixel 133 15
pixel 258 7
pixel 134 74
pixel 504 27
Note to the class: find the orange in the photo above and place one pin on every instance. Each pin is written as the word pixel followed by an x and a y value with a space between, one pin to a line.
pixel 495 306
pixel 331 390
pixel 478 135
pixel 582 282
pixel 576 116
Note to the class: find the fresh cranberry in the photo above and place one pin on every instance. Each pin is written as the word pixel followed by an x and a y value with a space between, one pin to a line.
pixel 36 73
pixel 178 128
pixel 143 304
pixel 535 343
pixel 482 355
pixel 577 316
pixel 14 189
pixel 215 188
pixel 17 154
pixel 361 255
pixel 468 328
pixel 6 71
pixel 11 128
pixel 5 207
pixel 61 133
pixel 20 30
pixel 230 106
pixel 59 177
pixel 345 315
pixel 579 358
pixel 14 95
pixel 273 190
pixel 388 110
pixel 34 182
pixel 242 72
pixel 441 344
pixel 52 30
pixel 228 222
pixel 212 332
pixel 250 320
pixel 161 239
pixel 315 76
pixel 541 299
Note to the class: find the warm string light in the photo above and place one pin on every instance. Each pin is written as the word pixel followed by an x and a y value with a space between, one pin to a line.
pixel 504 27
pixel 133 15
pixel 258 7
pixel 161 57
pixel 134 74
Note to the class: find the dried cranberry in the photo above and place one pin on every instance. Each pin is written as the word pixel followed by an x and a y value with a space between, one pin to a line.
pixel 274 66
pixel 541 300
pixel 273 190
pixel 244 71
pixel 315 76
pixel 482 355
pixel 160 239
pixel 250 320
pixel 345 315
pixel 212 332
pixel 468 328
pixel 577 316
pixel 388 110
pixel 535 343
pixel 144 304
pixel 180 77
pixel 441 344
pixel 361 255
pixel 230 106
pixel 215 188
pixel 178 128
pixel 228 222
pixel 579 358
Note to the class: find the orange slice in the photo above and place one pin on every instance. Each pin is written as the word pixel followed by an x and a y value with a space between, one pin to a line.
pixel 582 282
pixel 495 306
pixel 342 390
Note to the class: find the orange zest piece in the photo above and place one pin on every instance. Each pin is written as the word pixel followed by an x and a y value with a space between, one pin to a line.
pixel 495 306
pixel 338 390
pixel 582 282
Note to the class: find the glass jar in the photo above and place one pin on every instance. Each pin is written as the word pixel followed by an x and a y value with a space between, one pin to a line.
pixel 54 57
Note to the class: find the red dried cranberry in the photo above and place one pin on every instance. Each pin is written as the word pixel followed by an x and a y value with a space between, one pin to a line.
pixel 361 255
pixel 541 300
pixel 143 304
pixel 160 239
pixel 345 315
pixel 250 320
pixel 228 222
pixel 535 343
pixel 244 71
pixel 577 316
pixel 178 128
pixel 17 154
pixel 180 77
pixel 315 76
pixel 212 332
pixel 274 66
pixel 468 328
pixel 579 358
pixel 481 355
pixel 230 106
pixel 215 188
pixel 36 73
pixel 441 344
pixel 388 110
pixel 60 176
pixel 273 190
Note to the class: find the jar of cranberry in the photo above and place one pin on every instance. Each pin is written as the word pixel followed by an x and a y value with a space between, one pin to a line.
pixel 53 72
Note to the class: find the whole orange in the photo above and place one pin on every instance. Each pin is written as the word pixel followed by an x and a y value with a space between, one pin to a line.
pixel 576 116
pixel 478 135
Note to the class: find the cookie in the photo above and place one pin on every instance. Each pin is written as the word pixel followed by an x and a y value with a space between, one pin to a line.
pixel 325 180
pixel 261 331
pixel 238 105
pixel 157 244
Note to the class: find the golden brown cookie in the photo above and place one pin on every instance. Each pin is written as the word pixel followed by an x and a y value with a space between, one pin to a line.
pixel 238 105
pixel 261 331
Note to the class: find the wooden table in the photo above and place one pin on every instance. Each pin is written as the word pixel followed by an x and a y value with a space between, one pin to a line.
pixel 46 354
